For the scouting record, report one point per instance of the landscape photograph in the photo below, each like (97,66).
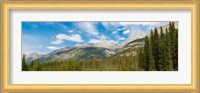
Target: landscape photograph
(99,46)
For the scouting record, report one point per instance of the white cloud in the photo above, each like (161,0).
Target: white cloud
(124,28)
(114,32)
(74,38)
(122,38)
(114,42)
(126,31)
(61,37)
(93,41)
(118,29)
(53,47)
(58,41)
(89,27)
(62,26)
(102,37)
(110,25)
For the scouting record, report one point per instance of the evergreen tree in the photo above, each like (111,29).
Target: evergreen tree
(148,54)
(151,64)
(174,44)
(155,43)
(146,60)
(176,50)
(152,38)
(141,57)
(164,60)
(24,66)
(169,63)
(161,52)
(38,65)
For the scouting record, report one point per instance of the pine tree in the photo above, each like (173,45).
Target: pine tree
(24,66)
(148,54)
(155,43)
(38,66)
(164,60)
(161,52)
(141,59)
(174,44)
(175,48)
(152,38)
(169,63)
(146,60)
(151,64)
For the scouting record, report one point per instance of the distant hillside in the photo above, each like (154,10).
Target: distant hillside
(77,53)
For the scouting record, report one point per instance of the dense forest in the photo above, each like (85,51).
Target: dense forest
(158,52)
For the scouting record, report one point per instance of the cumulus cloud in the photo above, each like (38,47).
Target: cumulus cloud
(58,41)
(89,27)
(114,42)
(122,38)
(119,29)
(102,37)
(114,32)
(110,25)
(94,41)
(74,38)
(61,37)
(53,47)
(126,31)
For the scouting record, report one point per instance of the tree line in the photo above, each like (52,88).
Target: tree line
(158,52)
(117,63)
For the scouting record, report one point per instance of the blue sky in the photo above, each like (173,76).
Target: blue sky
(44,37)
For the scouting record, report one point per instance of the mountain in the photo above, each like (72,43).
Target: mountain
(130,48)
(106,44)
(81,45)
(133,36)
(32,56)
(77,53)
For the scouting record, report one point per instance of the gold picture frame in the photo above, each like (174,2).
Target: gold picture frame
(5,44)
